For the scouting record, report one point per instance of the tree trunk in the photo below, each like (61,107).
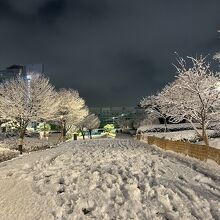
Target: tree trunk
(44,131)
(21,139)
(83,134)
(204,135)
(194,127)
(90,133)
(205,139)
(165,124)
(63,131)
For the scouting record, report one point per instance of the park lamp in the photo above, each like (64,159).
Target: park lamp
(28,77)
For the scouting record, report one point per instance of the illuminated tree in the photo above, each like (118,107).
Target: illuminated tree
(123,122)
(194,96)
(71,111)
(26,100)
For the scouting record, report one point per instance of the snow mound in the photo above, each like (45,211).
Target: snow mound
(30,144)
(108,179)
(213,142)
(6,154)
(170,127)
(189,135)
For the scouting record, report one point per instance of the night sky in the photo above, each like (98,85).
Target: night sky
(113,51)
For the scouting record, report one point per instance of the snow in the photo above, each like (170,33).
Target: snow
(30,144)
(189,135)
(108,179)
(6,154)
(94,136)
(213,142)
(171,127)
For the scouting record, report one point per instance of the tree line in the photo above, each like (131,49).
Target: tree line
(36,100)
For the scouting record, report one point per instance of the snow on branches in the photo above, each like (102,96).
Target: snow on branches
(154,109)
(89,123)
(72,110)
(25,100)
(194,95)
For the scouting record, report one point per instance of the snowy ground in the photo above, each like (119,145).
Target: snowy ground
(213,142)
(171,127)
(108,179)
(7,154)
(30,144)
(189,135)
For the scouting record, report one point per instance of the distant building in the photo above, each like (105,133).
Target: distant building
(11,72)
(110,114)
(20,70)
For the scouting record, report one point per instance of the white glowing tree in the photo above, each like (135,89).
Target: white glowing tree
(154,109)
(26,100)
(194,96)
(72,110)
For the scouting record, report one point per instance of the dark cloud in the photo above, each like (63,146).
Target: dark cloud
(51,10)
(114,52)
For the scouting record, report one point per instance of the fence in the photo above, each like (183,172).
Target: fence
(200,152)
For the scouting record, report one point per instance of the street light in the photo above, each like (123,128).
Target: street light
(113,120)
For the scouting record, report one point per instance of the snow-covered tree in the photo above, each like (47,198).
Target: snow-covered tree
(123,122)
(23,101)
(89,123)
(194,95)
(154,109)
(72,110)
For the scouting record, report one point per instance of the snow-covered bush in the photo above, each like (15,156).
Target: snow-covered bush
(43,129)
(187,135)
(7,154)
(170,127)
(11,126)
(30,144)
(109,127)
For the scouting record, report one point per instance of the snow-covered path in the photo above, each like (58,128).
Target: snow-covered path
(108,179)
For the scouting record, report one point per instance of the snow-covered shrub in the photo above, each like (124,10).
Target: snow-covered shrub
(189,135)
(30,144)
(109,127)
(170,127)
(43,129)
(7,154)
